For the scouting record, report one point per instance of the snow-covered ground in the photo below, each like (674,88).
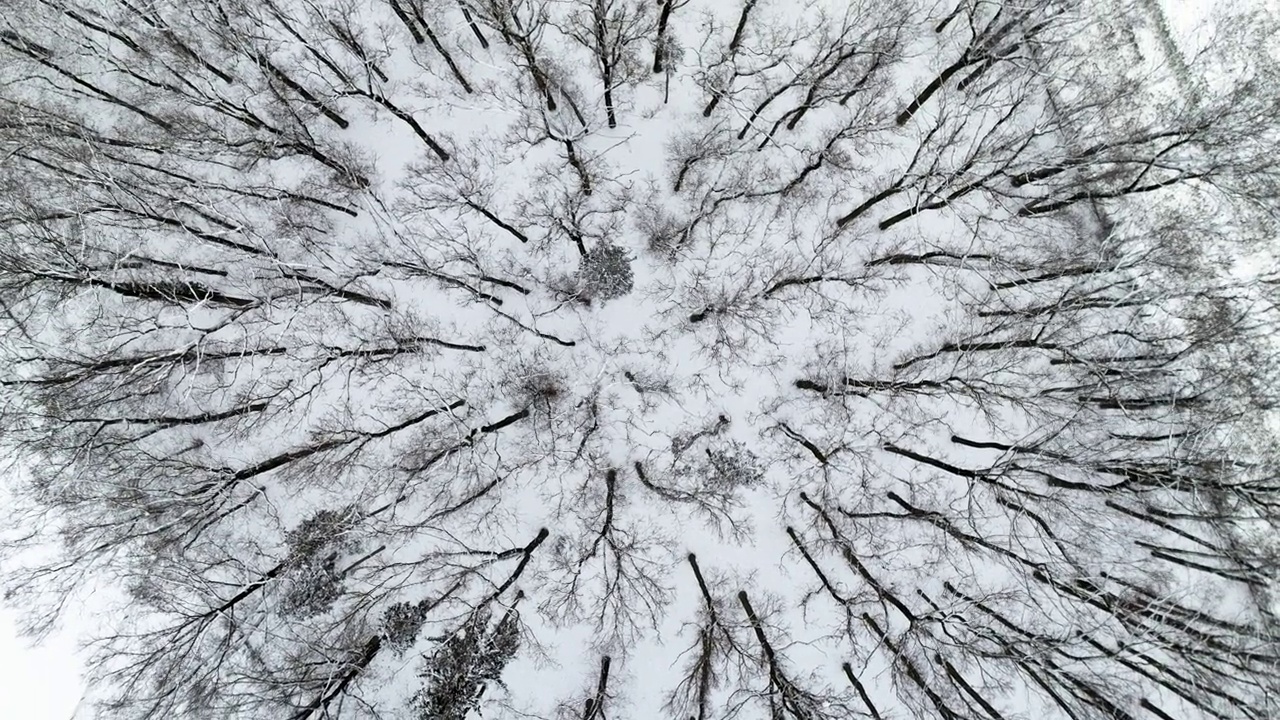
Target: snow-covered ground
(42,684)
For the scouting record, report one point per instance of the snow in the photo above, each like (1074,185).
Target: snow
(512,449)
(37,683)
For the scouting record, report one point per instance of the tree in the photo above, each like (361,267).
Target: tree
(605,273)
(472,656)
(454,359)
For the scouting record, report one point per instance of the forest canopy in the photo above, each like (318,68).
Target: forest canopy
(607,359)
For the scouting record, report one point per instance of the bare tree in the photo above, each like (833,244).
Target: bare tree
(606,358)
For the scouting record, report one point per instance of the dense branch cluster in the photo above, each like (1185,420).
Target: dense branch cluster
(605,273)
(627,359)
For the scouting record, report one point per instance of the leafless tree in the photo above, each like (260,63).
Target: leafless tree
(606,358)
